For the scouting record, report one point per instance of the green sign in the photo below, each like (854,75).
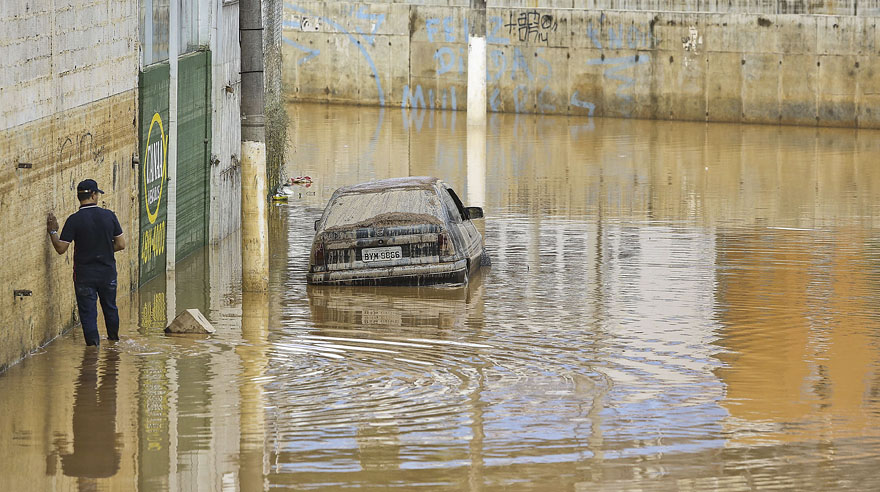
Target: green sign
(153,189)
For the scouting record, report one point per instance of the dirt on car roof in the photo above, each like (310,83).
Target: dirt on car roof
(385,205)
(418,182)
(389,220)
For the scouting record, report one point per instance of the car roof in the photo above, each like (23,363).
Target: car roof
(416,182)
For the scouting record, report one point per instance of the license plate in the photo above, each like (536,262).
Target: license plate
(369,255)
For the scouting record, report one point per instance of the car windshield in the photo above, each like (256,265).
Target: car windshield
(357,208)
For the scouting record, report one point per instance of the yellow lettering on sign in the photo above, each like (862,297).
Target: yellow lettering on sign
(153,242)
(153,312)
(154,169)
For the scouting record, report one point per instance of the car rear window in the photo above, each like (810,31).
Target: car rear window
(360,207)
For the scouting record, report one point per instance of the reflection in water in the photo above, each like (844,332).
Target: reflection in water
(817,288)
(476,165)
(95,448)
(413,311)
(670,306)
(400,374)
(252,351)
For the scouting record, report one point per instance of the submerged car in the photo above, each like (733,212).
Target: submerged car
(399,231)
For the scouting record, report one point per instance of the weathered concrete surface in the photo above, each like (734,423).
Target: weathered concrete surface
(829,7)
(68,78)
(225,172)
(97,141)
(254,218)
(715,64)
(58,56)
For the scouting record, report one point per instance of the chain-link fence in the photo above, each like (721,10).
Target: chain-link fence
(275,113)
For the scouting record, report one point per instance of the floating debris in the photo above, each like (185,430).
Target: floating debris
(301,180)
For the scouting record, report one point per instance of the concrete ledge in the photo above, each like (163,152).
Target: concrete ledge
(740,64)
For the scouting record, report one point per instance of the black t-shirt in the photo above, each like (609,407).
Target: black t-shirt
(92,230)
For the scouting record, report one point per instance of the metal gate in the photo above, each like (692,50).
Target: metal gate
(193,151)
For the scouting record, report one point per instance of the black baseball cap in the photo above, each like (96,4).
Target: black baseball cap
(88,186)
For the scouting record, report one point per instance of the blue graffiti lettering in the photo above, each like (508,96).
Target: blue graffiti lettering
(431,28)
(310,52)
(446,58)
(545,63)
(416,117)
(545,106)
(448,30)
(576,101)
(376,20)
(618,65)
(615,38)
(497,59)
(434,26)
(519,102)
(496,22)
(493,99)
(520,64)
(635,37)
(593,35)
(413,100)
(355,41)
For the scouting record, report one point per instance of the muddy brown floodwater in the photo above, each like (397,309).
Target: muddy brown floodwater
(671,306)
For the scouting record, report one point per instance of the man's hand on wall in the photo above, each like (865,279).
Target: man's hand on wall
(51,223)
(52,228)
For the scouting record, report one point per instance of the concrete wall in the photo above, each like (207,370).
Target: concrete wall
(225,174)
(68,100)
(709,65)
(830,7)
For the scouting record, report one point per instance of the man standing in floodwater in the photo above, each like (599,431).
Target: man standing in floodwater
(98,235)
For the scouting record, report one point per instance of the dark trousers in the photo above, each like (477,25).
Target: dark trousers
(87,293)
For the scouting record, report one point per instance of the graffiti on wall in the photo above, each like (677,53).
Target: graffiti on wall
(80,148)
(691,45)
(606,35)
(304,23)
(359,17)
(692,41)
(531,26)
(619,72)
(375,21)
(520,77)
(74,150)
(445,29)
(529,70)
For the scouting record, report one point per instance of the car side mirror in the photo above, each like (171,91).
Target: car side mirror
(473,213)
(316,224)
